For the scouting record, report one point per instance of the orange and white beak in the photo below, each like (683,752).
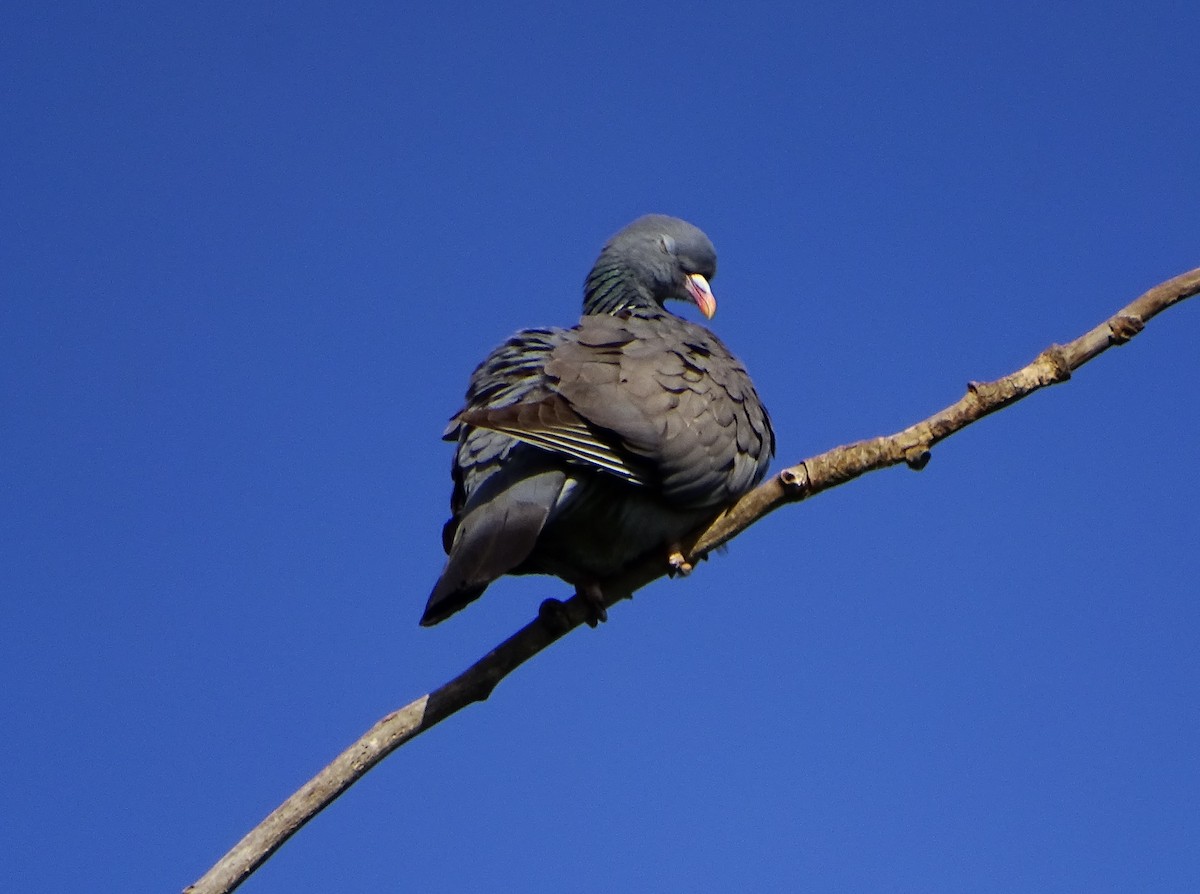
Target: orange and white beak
(698,288)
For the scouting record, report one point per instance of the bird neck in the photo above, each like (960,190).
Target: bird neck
(611,288)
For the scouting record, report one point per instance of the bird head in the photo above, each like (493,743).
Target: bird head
(654,259)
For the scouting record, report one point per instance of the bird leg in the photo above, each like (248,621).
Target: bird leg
(553,613)
(676,563)
(593,600)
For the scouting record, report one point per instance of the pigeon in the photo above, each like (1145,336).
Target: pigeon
(582,450)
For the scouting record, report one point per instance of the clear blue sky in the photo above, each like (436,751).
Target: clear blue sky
(252,252)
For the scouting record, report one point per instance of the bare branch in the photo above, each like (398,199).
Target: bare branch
(556,619)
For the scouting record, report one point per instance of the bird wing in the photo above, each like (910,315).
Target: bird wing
(671,399)
(512,393)
(651,399)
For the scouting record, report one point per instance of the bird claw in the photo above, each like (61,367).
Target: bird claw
(553,613)
(677,564)
(593,600)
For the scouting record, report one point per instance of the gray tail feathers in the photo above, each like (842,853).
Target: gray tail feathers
(494,535)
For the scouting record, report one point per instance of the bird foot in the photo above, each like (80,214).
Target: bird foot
(677,564)
(593,599)
(553,613)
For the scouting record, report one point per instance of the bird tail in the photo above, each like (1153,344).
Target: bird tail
(492,538)
(445,601)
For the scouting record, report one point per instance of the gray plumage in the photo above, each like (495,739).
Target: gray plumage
(580,450)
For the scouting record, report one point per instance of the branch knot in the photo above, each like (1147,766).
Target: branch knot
(1124,327)
(795,480)
(917,456)
(1056,357)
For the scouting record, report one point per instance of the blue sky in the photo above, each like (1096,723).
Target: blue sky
(251,254)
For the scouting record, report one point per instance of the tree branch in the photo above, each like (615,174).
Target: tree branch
(555,620)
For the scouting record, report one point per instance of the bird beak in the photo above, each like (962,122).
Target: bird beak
(697,287)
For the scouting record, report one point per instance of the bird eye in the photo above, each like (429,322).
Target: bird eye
(667,243)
